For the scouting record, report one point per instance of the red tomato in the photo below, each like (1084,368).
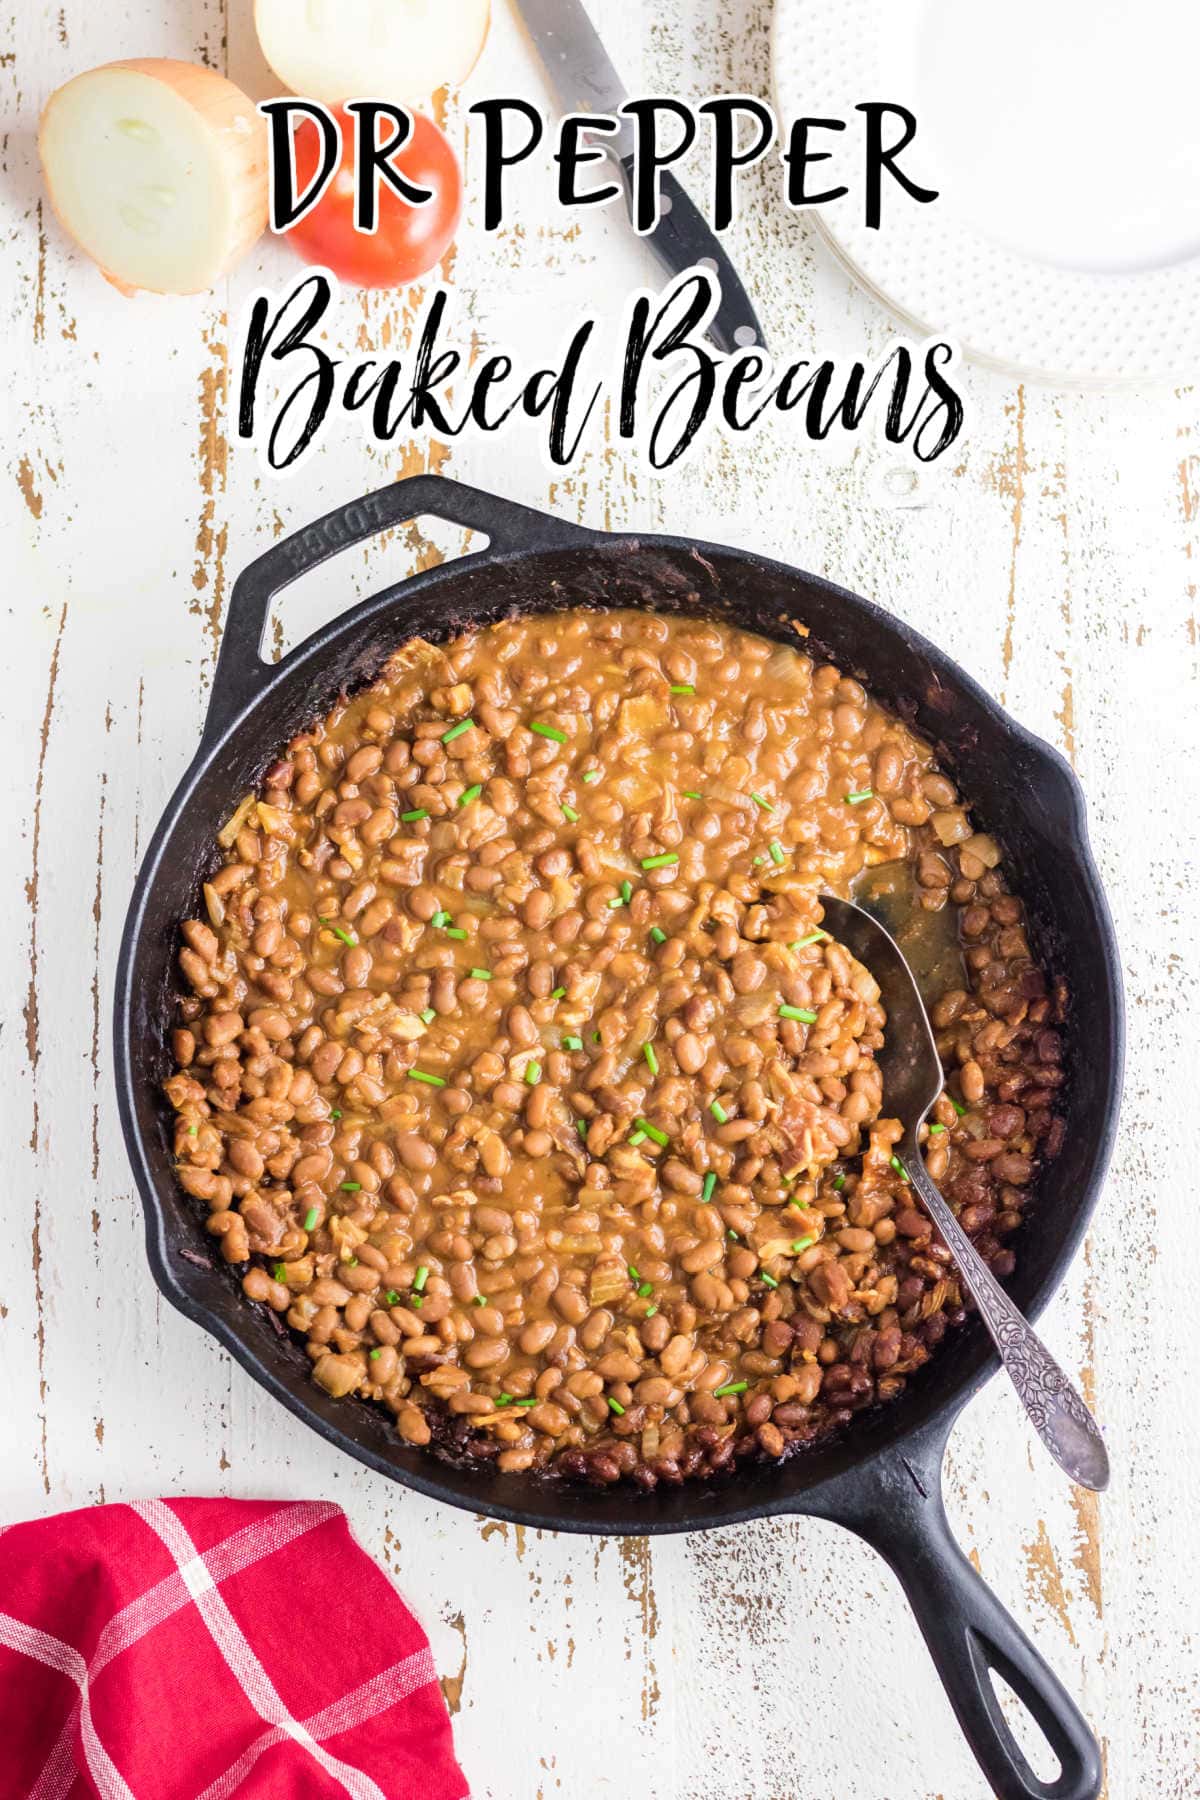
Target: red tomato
(410,239)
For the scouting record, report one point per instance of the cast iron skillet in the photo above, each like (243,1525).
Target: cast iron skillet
(883,1481)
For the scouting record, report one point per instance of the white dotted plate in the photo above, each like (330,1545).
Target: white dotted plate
(1063,138)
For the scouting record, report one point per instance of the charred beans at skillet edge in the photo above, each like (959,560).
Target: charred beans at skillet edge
(519,1077)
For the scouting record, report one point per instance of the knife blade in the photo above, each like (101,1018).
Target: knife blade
(584,80)
(573,56)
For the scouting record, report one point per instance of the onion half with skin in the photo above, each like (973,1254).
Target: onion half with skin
(400,50)
(158,170)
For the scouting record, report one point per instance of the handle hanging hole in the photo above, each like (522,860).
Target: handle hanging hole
(358,571)
(1029,1736)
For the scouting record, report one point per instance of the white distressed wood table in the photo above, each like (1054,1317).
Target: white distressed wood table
(1056,559)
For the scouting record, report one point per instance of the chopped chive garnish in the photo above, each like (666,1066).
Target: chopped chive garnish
(441,917)
(481,974)
(531,1401)
(310,1219)
(839,1182)
(351,1187)
(336,1113)
(595,1037)
(960,1110)
(632,1272)
(650,1311)
(758,862)
(615,1405)
(858,798)
(569,814)
(691,794)
(572,1043)
(798,1012)
(636,1138)
(718,1112)
(899,1167)
(776,849)
(347,937)
(549,731)
(373,1355)
(626,892)
(769,1279)
(504,1399)
(590,775)
(814,937)
(660,862)
(616,902)
(934,1129)
(279,1272)
(760,800)
(645,1290)
(422,812)
(456,731)
(651,1058)
(581,1126)
(469,794)
(416,1300)
(804,1243)
(710,1182)
(392,1297)
(427,1015)
(682,687)
(558,994)
(533,1073)
(652,1131)
(193,1131)
(429,1080)
(658,934)
(731,1233)
(420,1278)
(456,931)
(479,1300)
(731,1387)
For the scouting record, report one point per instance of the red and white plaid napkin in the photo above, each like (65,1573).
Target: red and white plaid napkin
(212,1650)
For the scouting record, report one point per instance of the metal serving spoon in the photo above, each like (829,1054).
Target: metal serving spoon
(912,1081)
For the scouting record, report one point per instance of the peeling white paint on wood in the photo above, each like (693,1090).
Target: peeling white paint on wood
(1056,560)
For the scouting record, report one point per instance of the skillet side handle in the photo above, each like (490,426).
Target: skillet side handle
(969,1633)
(508,527)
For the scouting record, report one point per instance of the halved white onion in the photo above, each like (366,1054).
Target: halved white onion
(158,170)
(400,50)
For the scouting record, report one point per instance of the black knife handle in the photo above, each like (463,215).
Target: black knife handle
(680,240)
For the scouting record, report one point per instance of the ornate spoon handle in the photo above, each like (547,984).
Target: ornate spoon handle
(1055,1409)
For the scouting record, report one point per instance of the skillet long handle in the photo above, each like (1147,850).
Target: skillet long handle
(970,1634)
(897,1507)
(240,670)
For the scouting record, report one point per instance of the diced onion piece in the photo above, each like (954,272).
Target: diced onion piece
(158,170)
(952,826)
(232,825)
(277,822)
(336,50)
(214,905)
(985,848)
(608,1283)
(582,1243)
